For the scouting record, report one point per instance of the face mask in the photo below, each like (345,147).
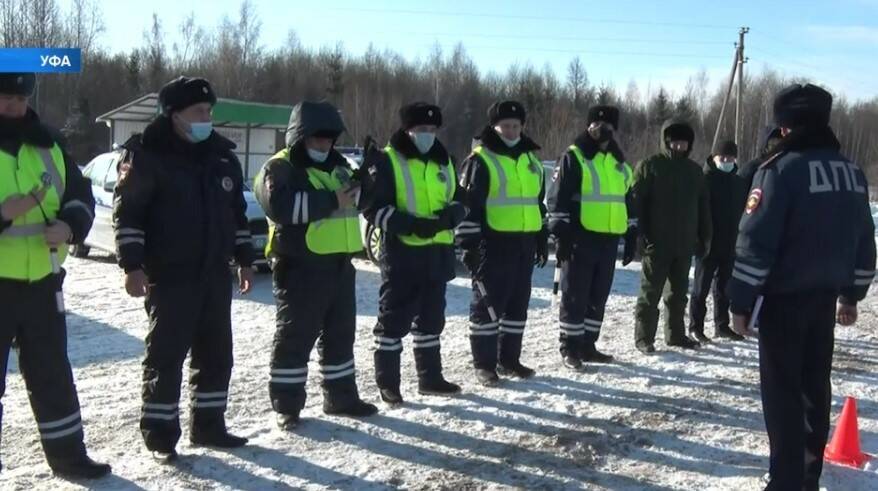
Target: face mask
(510,143)
(318,156)
(605,135)
(196,132)
(726,166)
(424,140)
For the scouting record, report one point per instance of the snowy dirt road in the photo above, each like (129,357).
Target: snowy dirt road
(673,421)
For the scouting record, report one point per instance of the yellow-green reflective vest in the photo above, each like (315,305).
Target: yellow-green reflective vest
(24,254)
(423,189)
(339,233)
(605,182)
(513,203)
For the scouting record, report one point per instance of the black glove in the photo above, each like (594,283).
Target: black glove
(630,246)
(471,259)
(426,228)
(451,215)
(542,250)
(563,249)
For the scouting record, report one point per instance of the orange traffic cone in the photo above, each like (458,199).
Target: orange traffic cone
(844,448)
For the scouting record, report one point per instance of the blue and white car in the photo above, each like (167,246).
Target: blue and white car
(103,171)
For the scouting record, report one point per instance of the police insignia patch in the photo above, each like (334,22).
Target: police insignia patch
(753,201)
(228,185)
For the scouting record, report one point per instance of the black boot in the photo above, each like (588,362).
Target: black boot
(515,370)
(391,396)
(727,333)
(437,387)
(81,467)
(164,457)
(355,409)
(288,422)
(216,437)
(646,348)
(700,337)
(572,362)
(591,354)
(486,377)
(684,342)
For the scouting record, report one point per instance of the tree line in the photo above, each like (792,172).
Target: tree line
(370,87)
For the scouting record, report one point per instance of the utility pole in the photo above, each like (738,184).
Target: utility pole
(722,111)
(740,97)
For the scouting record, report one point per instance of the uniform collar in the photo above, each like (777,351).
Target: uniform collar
(589,147)
(401,142)
(491,140)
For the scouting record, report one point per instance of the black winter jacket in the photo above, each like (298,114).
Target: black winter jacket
(179,209)
(807,225)
(728,194)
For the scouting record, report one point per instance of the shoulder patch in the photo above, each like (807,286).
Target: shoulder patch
(753,201)
(556,174)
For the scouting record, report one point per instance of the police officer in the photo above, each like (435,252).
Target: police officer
(416,205)
(588,214)
(308,194)
(727,191)
(179,218)
(673,211)
(45,204)
(503,237)
(806,243)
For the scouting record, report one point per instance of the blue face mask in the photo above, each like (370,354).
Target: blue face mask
(318,156)
(197,132)
(423,140)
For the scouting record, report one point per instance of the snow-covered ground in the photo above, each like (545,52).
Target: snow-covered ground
(674,421)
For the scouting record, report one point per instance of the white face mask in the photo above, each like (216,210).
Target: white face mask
(318,156)
(423,140)
(726,166)
(510,143)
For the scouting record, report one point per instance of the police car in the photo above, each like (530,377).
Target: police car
(103,171)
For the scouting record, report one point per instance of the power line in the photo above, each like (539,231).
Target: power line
(581,51)
(589,20)
(555,38)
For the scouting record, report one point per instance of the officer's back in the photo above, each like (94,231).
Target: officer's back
(826,222)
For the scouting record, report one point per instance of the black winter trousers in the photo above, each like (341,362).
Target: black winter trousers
(796,341)
(710,273)
(586,280)
(186,316)
(505,274)
(29,315)
(314,306)
(409,304)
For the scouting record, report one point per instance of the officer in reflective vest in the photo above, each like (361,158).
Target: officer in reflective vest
(588,213)
(503,237)
(45,204)
(415,205)
(311,201)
